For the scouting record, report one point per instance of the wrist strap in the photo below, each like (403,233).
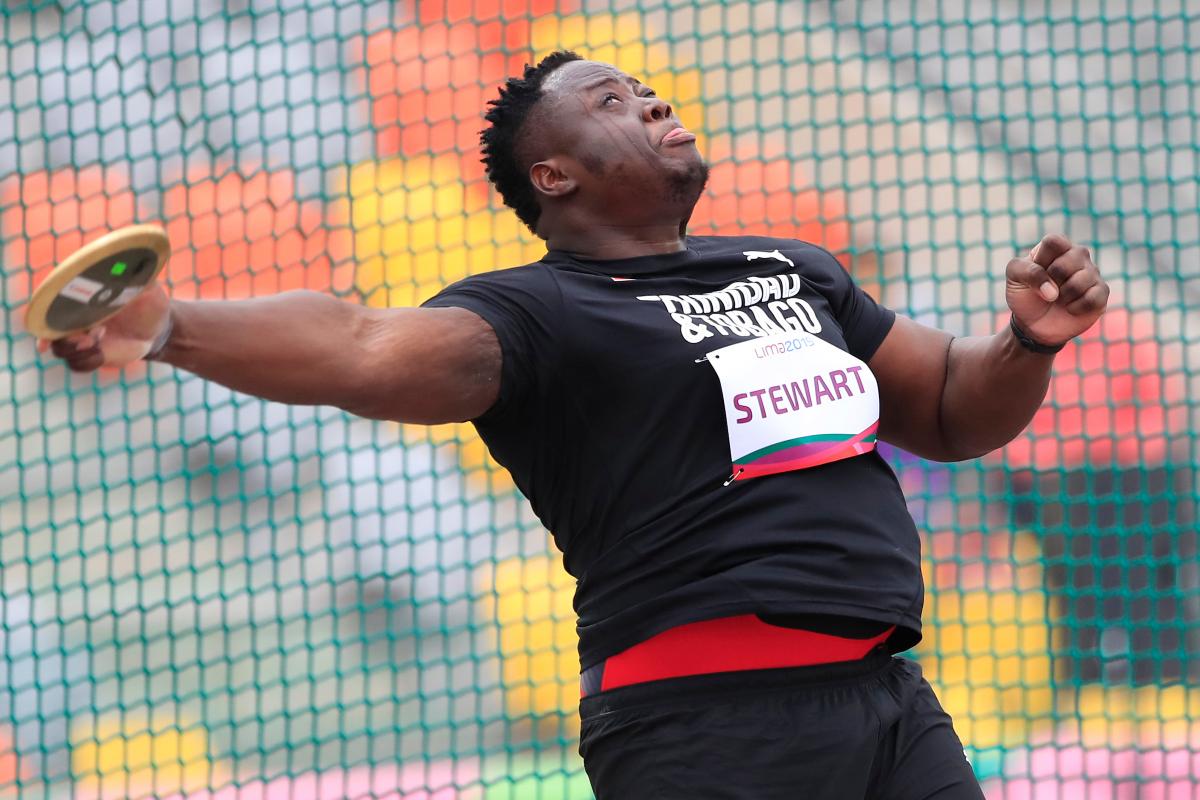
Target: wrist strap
(1030,344)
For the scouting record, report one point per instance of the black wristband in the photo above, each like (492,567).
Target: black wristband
(1030,344)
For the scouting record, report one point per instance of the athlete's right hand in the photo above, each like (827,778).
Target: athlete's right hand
(122,339)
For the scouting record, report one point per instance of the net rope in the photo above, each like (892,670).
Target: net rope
(205,595)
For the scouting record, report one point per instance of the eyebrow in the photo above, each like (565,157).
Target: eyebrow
(634,82)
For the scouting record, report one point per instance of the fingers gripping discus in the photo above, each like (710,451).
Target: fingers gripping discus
(97,281)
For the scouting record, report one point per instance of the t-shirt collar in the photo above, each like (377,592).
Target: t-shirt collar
(624,267)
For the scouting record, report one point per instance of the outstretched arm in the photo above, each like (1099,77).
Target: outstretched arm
(949,399)
(422,365)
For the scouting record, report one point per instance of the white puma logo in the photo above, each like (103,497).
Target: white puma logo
(754,255)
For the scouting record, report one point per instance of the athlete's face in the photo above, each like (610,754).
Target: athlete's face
(617,139)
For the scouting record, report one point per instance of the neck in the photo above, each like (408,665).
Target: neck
(604,242)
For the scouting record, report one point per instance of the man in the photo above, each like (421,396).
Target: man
(694,419)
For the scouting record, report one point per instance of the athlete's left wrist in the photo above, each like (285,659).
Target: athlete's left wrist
(1029,343)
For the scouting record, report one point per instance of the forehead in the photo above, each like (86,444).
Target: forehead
(576,76)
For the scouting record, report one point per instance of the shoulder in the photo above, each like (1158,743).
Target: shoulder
(534,281)
(528,275)
(726,245)
(812,261)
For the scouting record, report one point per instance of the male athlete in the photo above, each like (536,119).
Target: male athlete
(694,419)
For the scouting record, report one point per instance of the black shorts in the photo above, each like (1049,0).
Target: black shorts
(868,729)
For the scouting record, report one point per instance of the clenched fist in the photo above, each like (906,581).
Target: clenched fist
(1056,293)
(128,336)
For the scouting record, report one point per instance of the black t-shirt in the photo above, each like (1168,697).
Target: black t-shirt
(615,431)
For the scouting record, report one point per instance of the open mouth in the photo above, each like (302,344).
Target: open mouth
(678,136)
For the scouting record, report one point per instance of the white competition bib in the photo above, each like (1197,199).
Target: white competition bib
(793,401)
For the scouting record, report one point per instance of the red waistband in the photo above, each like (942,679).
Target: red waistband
(728,644)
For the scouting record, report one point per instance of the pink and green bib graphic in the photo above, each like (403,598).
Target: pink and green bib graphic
(804,452)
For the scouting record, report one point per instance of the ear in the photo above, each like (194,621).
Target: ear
(548,178)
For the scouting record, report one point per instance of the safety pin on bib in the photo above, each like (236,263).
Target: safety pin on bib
(734,476)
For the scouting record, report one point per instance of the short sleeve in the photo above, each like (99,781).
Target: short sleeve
(865,323)
(519,304)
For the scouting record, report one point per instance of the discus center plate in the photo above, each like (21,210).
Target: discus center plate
(102,288)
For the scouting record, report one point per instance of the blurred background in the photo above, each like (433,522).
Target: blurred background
(203,595)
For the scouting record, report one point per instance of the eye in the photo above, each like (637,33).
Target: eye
(609,98)
(650,93)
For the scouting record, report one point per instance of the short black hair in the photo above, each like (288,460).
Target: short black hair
(498,142)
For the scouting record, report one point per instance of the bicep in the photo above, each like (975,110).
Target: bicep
(911,367)
(426,365)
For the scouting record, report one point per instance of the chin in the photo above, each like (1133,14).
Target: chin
(686,180)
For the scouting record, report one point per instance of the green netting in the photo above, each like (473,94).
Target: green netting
(201,592)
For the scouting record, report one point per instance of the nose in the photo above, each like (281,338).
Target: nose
(656,109)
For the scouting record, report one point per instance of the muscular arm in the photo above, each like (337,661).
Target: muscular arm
(951,399)
(421,365)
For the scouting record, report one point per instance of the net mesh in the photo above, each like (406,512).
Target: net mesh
(204,595)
